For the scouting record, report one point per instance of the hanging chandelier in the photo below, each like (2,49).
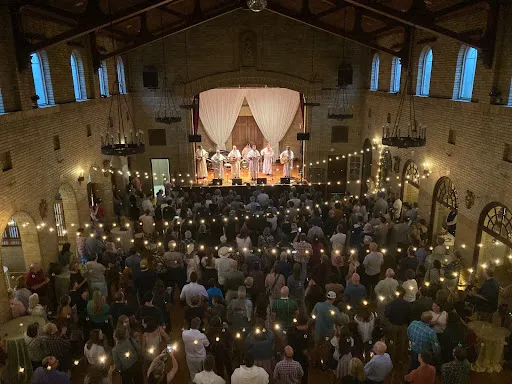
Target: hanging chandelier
(313,95)
(188,99)
(167,112)
(340,108)
(416,133)
(257,5)
(120,138)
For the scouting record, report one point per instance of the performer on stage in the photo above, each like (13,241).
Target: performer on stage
(218,165)
(286,158)
(254,162)
(268,158)
(246,150)
(234,158)
(201,156)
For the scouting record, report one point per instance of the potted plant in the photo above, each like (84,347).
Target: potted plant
(34,99)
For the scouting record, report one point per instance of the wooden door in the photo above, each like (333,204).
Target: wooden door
(247,131)
(337,173)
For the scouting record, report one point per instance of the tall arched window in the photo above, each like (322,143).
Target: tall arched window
(510,94)
(467,73)
(103,78)
(424,72)
(39,78)
(374,84)
(396,72)
(77,71)
(120,75)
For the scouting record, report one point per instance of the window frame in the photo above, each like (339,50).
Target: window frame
(103,79)
(121,76)
(374,79)
(463,74)
(395,80)
(422,72)
(42,101)
(78,76)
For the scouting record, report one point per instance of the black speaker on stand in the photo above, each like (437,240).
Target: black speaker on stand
(285,180)
(236,181)
(194,138)
(261,180)
(217,182)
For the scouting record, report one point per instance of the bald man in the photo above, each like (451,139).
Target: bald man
(284,309)
(380,366)
(288,371)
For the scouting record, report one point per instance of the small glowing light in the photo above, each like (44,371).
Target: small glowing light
(76,362)
(349,307)
(196,342)
(497,261)
(480,245)
(217,339)
(146,242)
(441,279)
(470,270)
(238,335)
(463,245)
(127,355)
(381,298)
(365,302)
(352,251)
(277,327)
(484,265)
(258,331)
(427,284)
(313,316)
(104,358)
(21,370)
(399,249)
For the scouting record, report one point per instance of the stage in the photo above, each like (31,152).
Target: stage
(246,178)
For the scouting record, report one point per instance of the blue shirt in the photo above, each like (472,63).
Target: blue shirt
(378,367)
(355,294)
(212,292)
(324,325)
(422,338)
(43,376)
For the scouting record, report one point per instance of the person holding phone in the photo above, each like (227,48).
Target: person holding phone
(156,372)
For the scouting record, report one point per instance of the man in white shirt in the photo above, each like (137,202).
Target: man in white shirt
(234,158)
(254,162)
(249,373)
(207,376)
(372,263)
(218,165)
(195,343)
(148,223)
(339,239)
(286,158)
(193,289)
(397,208)
(223,264)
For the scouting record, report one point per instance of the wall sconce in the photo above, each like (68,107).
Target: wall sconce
(426,170)
(81,176)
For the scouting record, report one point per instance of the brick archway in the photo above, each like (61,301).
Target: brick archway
(444,198)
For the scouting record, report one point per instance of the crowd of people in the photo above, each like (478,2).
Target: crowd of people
(274,282)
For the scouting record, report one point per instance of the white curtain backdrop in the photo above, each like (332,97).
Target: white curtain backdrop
(218,111)
(274,110)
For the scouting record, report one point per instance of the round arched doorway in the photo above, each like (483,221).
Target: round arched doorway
(444,203)
(20,243)
(65,210)
(410,183)
(494,240)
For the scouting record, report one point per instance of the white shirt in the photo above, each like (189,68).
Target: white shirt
(147,223)
(223,267)
(93,355)
(192,289)
(338,239)
(365,328)
(195,343)
(205,377)
(235,153)
(411,289)
(372,263)
(253,375)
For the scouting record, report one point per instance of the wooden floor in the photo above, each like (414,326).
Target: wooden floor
(315,376)
(246,178)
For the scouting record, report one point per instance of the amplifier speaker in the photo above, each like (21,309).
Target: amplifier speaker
(217,181)
(261,180)
(303,136)
(236,181)
(285,180)
(194,138)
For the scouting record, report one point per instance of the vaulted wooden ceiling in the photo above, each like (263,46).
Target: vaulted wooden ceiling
(134,23)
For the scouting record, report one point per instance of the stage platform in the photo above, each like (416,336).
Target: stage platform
(274,179)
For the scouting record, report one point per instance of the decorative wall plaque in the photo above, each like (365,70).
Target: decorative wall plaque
(470,199)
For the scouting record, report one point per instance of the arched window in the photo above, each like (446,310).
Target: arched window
(120,75)
(396,72)
(39,78)
(510,94)
(466,75)
(374,84)
(424,72)
(77,71)
(103,77)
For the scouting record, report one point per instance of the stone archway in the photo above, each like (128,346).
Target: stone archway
(66,215)
(494,236)
(20,242)
(444,199)
(410,182)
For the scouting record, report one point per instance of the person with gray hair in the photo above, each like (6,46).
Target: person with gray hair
(234,279)
(240,310)
(380,366)
(385,291)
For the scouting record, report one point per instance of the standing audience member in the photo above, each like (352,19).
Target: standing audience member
(425,373)
(422,338)
(380,366)
(372,264)
(195,343)
(207,376)
(457,370)
(355,292)
(288,371)
(193,289)
(249,373)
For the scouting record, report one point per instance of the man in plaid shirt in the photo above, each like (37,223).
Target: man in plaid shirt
(457,370)
(284,310)
(422,338)
(288,371)
(303,249)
